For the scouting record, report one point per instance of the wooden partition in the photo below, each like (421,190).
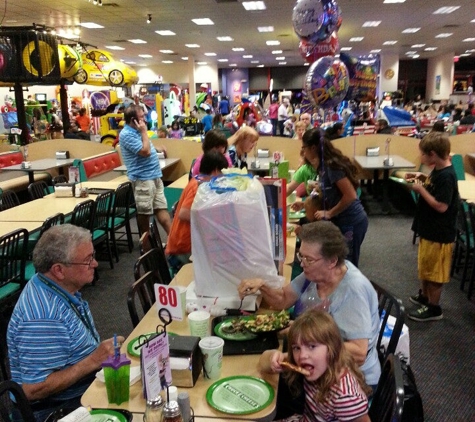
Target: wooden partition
(77,148)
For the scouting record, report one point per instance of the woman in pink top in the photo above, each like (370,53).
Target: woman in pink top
(215,139)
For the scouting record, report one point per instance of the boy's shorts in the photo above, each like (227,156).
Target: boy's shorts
(434,260)
(149,196)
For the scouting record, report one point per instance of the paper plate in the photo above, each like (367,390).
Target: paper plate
(240,395)
(105,415)
(296,215)
(133,349)
(220,331)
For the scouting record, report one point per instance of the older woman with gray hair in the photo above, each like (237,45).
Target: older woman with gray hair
(330,281)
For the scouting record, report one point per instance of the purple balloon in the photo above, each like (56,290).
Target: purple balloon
(330,21)
(307,17)
(327,82)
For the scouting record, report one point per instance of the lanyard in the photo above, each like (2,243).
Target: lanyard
(84,318)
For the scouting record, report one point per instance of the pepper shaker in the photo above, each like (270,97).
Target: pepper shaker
(171,412)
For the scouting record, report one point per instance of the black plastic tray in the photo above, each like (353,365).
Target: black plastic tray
(247,347)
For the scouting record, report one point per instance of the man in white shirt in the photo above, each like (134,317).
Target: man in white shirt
(283,115)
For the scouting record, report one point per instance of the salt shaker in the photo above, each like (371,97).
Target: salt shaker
(154,409)
(171,412)
(184,403)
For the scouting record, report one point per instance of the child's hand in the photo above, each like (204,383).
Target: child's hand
(322,215)
(418,186)
(275,360)
(297,206)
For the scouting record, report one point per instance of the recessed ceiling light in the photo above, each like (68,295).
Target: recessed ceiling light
(446,10)
(470,51)
(226,38)
(444,35)
(345,48)
(254,61)
(276,51)
(306,64)
(90,25)
(267,28)
(356,39)
(184,58)
(166,51)
(410,30)
(370,24)
(377,50)
(473,21)
(114,47)
(192,45)
(416,56)
(137,41)
(468,40)
(167,61)
(165,33)
(130,62)
(201,63)
(465,54)
(247,56)
(394,1)
(389,42)
(203,21)
(210,54)
(282,63)
(430,48)
(238,49)
(411,53)
(145,56)
(273,42)
(280,58)
(223,60)
(260,65)
(254,5)
(417,45)
(232,65)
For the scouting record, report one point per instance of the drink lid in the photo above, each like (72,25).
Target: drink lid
(116,363)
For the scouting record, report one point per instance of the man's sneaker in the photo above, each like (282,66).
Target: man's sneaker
(427,313)
(419,299)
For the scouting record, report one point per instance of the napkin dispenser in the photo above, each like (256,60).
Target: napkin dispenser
(161,155)
(262,153)
(62,155)
(372,152)
(185,349)
(64,190)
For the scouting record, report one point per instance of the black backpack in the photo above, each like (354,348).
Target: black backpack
(413,410)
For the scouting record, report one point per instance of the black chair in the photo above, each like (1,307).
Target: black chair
(143,289)
(83,214)
(149,262)
(156,242)
(54,220)
(38,190)
(389,305)
(59,179)
(464,244)
(9,199)
(101,231)
(120,218)
(471,282)
(22,403)
(388,401)
(13,254)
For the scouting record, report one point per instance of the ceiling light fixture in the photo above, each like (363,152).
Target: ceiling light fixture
(149,18)
(100,2)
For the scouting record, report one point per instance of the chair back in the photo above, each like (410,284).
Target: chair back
(389,305)
(103,210)
(59,179)
(388,401)
(21,401)
(9,199)
(143,289)
(457,162)
(156,242)
(38,190)
(13,253)
(83,214)
(54,220)
(149,262)
(122,201)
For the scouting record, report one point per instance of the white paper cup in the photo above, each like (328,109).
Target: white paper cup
(199,322)
(212,349)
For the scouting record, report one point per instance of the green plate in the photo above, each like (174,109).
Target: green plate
(296,215)
(105,415)
(240,395)
(220,331)
(133,348)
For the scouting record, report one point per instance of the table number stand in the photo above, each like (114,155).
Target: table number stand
(388,161)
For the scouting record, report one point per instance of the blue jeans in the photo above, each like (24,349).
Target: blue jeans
(354,235)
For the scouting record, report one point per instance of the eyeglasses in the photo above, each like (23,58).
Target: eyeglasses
(306,260)
(88,263)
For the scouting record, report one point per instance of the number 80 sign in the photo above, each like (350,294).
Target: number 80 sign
(171,298)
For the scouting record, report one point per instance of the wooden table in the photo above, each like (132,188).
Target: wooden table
(9,226)
(164,163)
(377,163)
(467,190)
(41,165)
(96,395)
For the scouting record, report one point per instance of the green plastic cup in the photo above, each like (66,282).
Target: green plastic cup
(117,377)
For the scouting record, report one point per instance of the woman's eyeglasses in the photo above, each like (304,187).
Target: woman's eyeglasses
(306,260)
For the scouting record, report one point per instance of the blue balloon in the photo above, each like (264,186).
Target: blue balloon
(307,17)
(331,21)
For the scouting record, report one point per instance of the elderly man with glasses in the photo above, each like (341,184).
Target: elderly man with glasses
(53,345)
